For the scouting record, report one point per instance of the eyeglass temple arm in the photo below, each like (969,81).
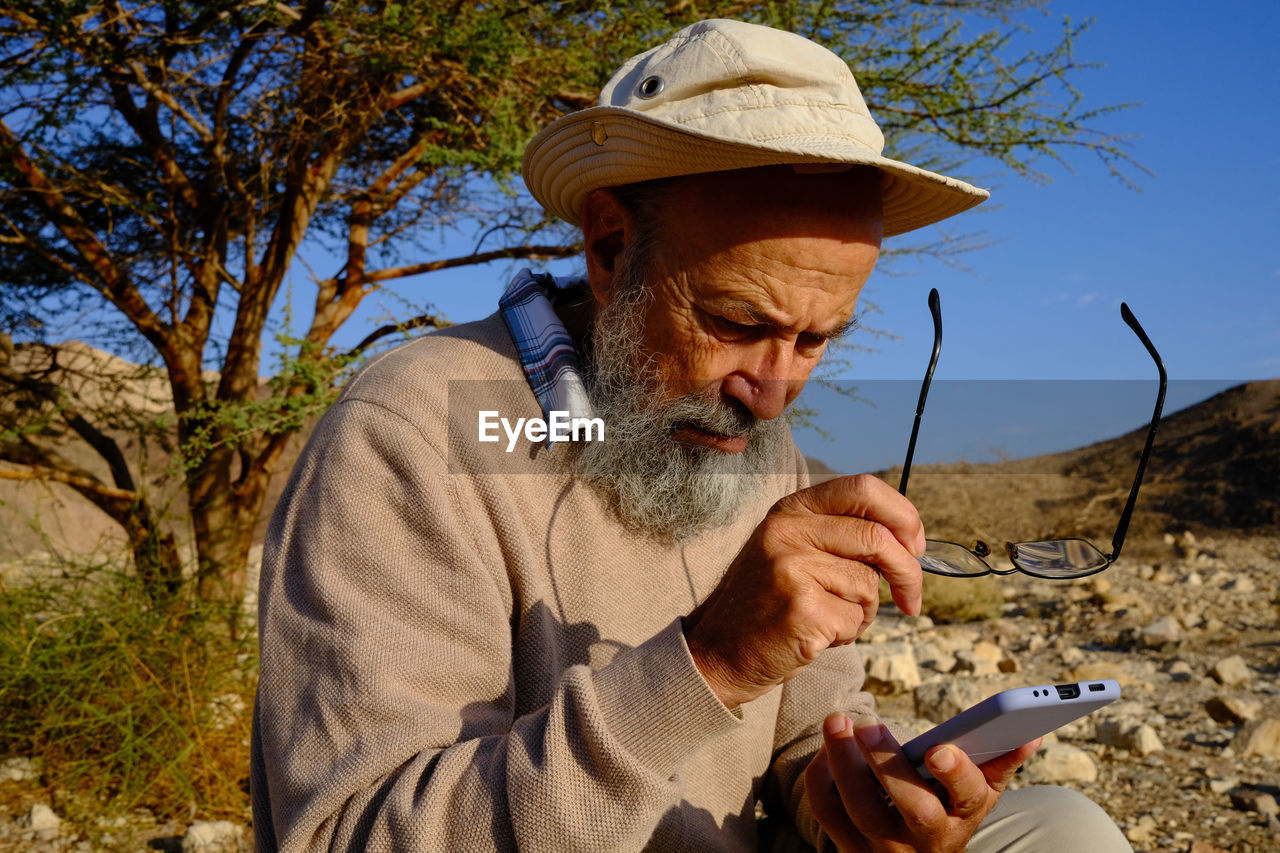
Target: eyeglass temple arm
(1123,526)
(935,308)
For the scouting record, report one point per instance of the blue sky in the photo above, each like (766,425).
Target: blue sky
(1195,253)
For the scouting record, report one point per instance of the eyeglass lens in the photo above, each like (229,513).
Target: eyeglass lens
(948,558)
(1048,558)
(1057,558)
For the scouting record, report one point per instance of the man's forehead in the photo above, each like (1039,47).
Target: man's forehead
(797,264)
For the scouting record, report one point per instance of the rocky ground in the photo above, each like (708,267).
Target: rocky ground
(1188,760)
(29,825)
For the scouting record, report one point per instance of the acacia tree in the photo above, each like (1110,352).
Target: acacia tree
(162,163)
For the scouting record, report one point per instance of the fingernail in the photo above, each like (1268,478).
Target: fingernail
(835,724)
(868,731)
(943,760)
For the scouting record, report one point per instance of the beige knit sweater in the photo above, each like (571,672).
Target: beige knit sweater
(462,650)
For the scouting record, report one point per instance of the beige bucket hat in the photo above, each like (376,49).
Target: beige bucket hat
(723,95)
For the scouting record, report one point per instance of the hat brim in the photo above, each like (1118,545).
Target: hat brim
(564,163)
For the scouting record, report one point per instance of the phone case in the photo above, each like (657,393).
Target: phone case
(1007,720)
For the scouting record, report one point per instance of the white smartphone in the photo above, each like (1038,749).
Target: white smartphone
(1005,721)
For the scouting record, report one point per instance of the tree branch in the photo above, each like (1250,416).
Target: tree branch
(197,126)
(266,460)
(541,253)
(81,483)
(111,280)
(409,93)
(337,298)
(149,132)
(422,321)
(105,446)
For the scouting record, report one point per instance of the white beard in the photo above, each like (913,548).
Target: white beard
(655,484)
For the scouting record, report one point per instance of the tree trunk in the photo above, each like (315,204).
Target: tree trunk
(223,515)
(155,553)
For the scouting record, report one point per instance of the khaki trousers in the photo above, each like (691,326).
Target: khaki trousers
(1045,818)
(1040,819)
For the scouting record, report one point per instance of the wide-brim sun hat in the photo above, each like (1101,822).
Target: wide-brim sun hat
(722,95)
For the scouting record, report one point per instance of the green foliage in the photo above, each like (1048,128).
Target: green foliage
(183,133)
(125,705)
(952,82)
(307,380)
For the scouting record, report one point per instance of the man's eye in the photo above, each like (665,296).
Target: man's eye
(810,344)
(726,328)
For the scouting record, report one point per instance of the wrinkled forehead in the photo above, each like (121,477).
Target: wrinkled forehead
(797,247)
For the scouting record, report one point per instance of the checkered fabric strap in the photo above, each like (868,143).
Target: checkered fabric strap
(547,354)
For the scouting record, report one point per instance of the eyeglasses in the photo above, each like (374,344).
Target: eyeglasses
(1053,559)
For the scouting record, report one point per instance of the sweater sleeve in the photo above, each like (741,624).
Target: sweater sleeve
(385,717)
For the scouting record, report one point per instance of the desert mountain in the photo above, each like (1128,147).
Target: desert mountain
(1215,468)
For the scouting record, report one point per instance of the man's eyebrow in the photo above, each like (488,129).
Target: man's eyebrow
(760,318)
(840,331)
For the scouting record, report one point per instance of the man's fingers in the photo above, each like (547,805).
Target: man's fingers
(968,793)
(863,797)
(872,544)
(998,771)
(864,498)
(919,807)
(884,796)
(869,497)
(806,580)
(827,807)
(853,584)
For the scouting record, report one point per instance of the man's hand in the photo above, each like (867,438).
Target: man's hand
(868,797)
(807,579)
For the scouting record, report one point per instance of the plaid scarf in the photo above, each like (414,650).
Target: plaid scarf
(547,354)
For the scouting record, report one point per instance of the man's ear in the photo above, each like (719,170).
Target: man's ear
(607,228)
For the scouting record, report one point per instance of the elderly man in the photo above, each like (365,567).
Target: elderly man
(477,635)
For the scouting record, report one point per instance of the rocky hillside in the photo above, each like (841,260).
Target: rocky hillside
(1214,469)
(1188,620)
(1189,759)
(125,401)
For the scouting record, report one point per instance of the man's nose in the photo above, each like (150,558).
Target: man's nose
(769,380)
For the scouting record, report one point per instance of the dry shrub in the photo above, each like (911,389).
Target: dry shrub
(957,599)
(124,704)
(962,599)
